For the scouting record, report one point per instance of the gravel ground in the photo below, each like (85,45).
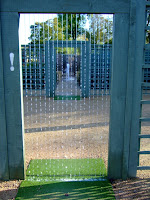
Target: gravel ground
(75,129)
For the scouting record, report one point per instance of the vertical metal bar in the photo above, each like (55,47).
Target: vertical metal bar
(94,52)
(47,70)
(110,68)
(105,69)
(87,68)
(51,68)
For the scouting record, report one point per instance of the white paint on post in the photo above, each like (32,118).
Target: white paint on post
(11,55)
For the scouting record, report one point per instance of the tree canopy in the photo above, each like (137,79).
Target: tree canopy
(90,27)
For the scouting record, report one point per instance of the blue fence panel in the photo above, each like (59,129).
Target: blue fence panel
(33,67)
(101,62)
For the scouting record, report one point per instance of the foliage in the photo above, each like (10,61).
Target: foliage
(72,25)
(90,27)
(147,37)
(44,31)
(100,29)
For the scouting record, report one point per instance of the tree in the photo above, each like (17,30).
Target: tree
(44,31)
(72,24)
(91,27)
(100,29)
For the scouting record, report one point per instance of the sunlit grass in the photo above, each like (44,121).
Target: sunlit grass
(76,179)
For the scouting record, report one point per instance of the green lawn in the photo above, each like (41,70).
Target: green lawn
(74,179)
(53,169)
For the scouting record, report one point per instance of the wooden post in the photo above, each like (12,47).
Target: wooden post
(123,145)
(4,173)
(125,88)
(137,79)
(118,95)
(13,95)
(129,91)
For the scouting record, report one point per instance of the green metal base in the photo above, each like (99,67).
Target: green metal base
(67,97)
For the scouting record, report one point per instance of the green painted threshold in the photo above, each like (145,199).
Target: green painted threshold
(59,97)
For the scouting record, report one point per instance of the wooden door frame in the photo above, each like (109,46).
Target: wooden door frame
(124,112)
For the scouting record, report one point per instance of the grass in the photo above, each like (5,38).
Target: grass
(74,179)
(65,190)
(49,169)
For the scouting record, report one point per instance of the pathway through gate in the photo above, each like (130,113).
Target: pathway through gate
(71,88)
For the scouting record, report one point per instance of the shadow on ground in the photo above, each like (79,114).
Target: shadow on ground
(85,190)
(44,180)
(137,188)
